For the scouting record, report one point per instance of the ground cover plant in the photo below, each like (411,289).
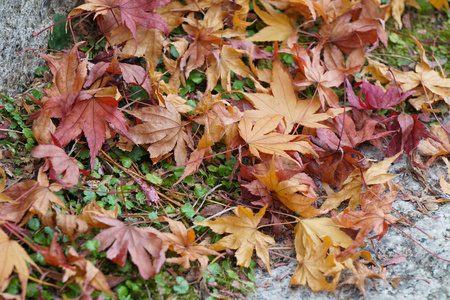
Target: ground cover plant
(177,145)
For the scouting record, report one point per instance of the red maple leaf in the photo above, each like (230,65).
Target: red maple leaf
(375,98)
(132,11)
(408,133)
(90,115)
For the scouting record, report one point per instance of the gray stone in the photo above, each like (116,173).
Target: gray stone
(423,276)
(19,19)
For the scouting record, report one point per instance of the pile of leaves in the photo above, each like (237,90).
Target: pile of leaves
(281,92)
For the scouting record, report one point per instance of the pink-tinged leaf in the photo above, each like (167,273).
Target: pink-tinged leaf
(59,164)
(137,11)
(149,191)
(141,243)
(375,98)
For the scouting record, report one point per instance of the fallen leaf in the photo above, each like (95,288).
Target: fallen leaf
(183,243)
(261,138)
(87,276)
(285,102)
(13,256)
(93,210)
(363,272)
(279,28)
(163,130)
(244,235)
(59,164)
(314,265)
(139,242)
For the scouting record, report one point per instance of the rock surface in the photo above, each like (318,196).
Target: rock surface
(423,276)
(18,20)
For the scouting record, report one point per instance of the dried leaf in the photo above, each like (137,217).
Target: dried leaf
(244,235)
(139,242)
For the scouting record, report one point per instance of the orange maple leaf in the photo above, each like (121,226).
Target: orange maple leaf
(182,242)
(244,235)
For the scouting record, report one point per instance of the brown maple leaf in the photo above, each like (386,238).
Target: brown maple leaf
(244,235)
(139,242)
(431,147)
(72,225)
(13,256)
(163,130)
(360,274)
(86,275)
(261,139)
(32,197)
(93,210)
(374,215)
(352,30)
(182,242)
(286,103)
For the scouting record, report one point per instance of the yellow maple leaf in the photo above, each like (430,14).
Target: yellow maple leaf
(285,102)
(13,256)
(244,235)
(279,27)
(261,138)
(314,265)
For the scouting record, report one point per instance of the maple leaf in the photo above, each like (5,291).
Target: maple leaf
(86,275)
(295,191)
(439,4)
(149,45)
(280,25)
(203,37)
(139,242)
(132,74)
(221,63)
(130,12)
(314,265)
(351,31)
(71,225)
(59,163)
(397,7)
(93,210)
(53,255)
(375,98)
(374,215)
(90,115)
(408,133)
(286,103)
(352,187)
(314,72)
(181,241)
(3,197)
(163,130)
(244,235)
(13,256)
(43,127)
(32,197)
(260,138)
(433,148)
(360,274)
